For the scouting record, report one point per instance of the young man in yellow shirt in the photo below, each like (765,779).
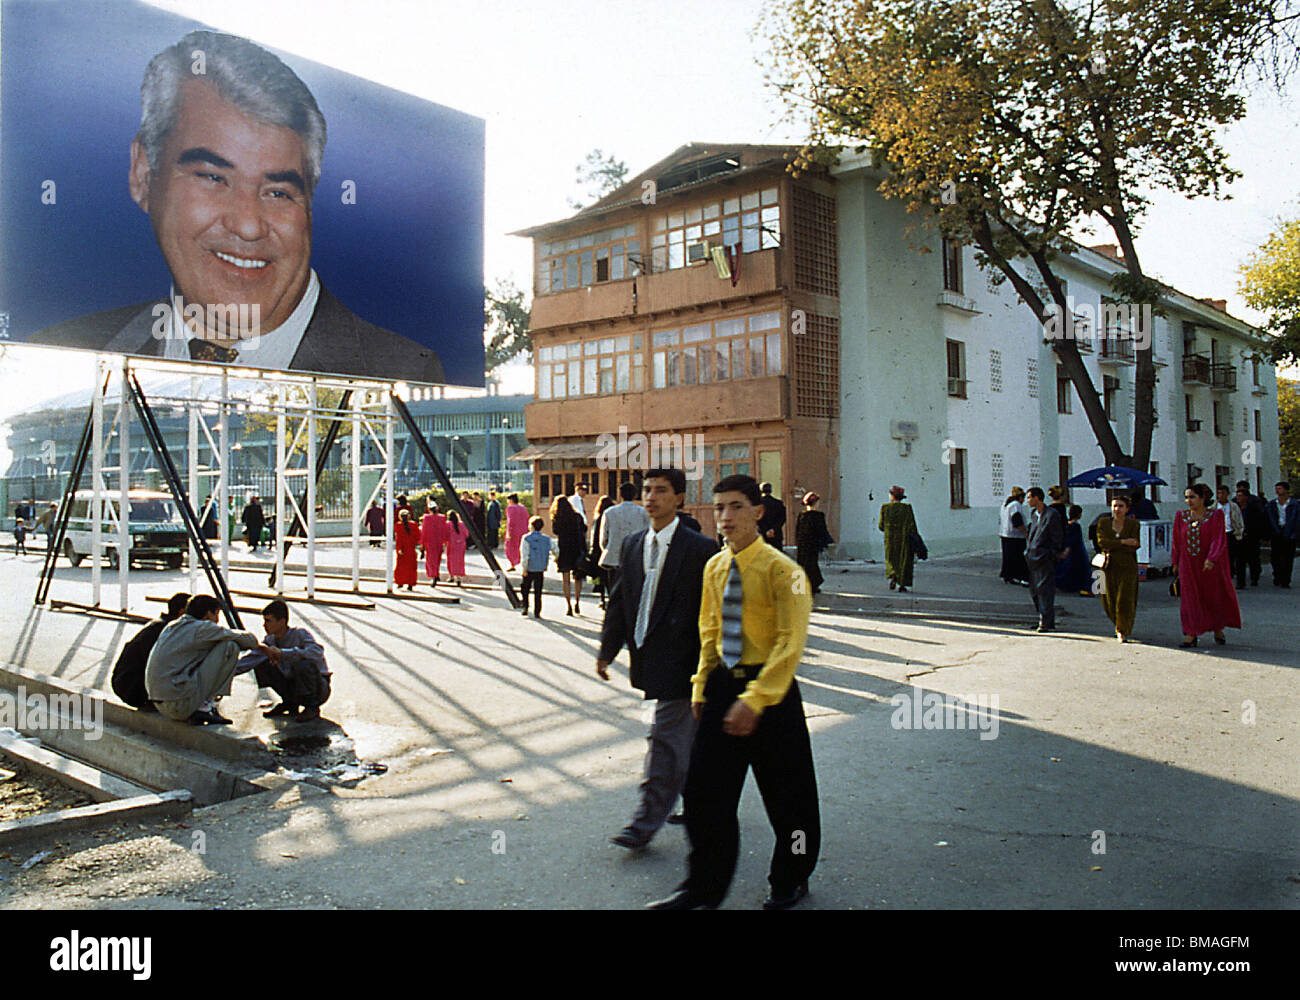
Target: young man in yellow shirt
(753,626)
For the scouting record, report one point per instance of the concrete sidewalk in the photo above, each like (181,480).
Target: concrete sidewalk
(510,763)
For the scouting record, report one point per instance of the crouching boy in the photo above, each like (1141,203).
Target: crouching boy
(293,666)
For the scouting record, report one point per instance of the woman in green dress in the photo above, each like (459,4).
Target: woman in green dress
(1118,536)
(898,524)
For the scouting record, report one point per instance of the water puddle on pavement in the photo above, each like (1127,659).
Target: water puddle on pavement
(324,755)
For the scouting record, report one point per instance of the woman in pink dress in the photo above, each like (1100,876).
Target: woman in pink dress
(516,528)
(433,535)
(1200,555)
(457,535)
(406,537)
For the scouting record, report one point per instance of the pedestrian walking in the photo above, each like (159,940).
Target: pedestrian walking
(625,518)
(253,521)
(1074,571)
(493,518)
(1234,523)
(1284,532)
(772,525)
(406,538)
(1043,549)
(1255,516)
(1012,529)
(596,552)
(899,525)
(811,538)
(1207,599)
(654,611)
(375,524)
(433,538)
(1119,537)
(754,615)
(457,541)
(20,537)
(538,548)
(571,533)
(516,528)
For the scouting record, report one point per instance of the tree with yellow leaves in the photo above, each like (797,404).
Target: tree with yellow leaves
(1009,124)
(1271,282)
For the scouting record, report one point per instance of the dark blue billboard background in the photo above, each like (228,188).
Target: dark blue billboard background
(407,256)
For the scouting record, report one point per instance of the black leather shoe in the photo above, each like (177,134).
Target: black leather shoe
(308,713)
(628,839)
(284,708)
(207,719)
(682,899)
(785,900)
(677,819)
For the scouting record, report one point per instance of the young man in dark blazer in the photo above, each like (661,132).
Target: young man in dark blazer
(654,610)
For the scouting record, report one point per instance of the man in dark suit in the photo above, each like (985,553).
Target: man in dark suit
(254,521)
(1255,515)
(1043,549)
(1284,530)
(771,525)
(128,671)
(654,610)
(225,164)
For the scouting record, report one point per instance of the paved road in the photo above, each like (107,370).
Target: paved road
(1120,776)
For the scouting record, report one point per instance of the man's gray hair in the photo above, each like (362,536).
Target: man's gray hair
(243,73)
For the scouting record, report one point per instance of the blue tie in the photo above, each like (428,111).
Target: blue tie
(732,642)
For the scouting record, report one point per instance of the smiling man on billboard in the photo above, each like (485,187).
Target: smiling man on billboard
(225,164)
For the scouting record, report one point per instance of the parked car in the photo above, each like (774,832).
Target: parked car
(154,523)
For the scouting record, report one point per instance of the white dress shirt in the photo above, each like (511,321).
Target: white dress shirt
(575,502)
(273,349)
(665,535)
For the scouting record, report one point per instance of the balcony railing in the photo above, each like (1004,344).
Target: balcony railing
(1224,377)
(1118,350)
(1196,368)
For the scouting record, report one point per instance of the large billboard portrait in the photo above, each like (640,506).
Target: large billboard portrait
(176,192)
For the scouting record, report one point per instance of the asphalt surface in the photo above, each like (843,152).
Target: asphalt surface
(1120,776)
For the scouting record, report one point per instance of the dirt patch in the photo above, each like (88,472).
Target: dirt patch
(28,794)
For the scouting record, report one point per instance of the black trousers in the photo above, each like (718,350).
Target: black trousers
(533,582)
(1249,558)
(305,685)
(780,753)
(1235,562)
(1283,558)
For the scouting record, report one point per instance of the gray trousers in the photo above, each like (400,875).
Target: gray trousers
(666,763)
(1042,587)
(211,679)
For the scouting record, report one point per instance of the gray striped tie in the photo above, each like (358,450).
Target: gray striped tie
(732,642)
(647,594)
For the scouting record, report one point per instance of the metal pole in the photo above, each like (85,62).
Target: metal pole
(124,485)
(223,478)
(390,495)
(96,482)
(194,476)
(310,512)
(356,492)
(279,489)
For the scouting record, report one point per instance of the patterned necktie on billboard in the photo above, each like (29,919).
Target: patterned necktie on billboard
(732,642)
(647,593)
(205,350)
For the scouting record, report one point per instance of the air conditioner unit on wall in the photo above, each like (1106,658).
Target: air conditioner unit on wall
(697,253)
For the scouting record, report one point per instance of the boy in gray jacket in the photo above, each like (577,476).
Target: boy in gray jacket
(192,663)
(293,666)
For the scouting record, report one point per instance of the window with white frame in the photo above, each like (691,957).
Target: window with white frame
(574,262)
(750,221)
(720,351)
(591,368)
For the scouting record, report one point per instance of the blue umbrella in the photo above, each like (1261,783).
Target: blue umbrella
(1114,477)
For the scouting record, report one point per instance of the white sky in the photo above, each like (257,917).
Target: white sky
(555,80)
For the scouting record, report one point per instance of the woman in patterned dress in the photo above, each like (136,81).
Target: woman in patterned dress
(1200,554)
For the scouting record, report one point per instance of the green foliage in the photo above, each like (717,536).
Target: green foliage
(1271,282)
(505,324)
(598,175)
(1288,420)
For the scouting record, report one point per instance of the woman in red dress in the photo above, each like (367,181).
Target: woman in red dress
(1200,555)
(406,536)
